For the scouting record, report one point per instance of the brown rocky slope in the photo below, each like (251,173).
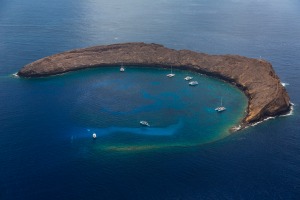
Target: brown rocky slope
(267,97)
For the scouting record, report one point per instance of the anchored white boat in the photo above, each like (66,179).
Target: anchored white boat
(188,78)
(122,68)
(144,123)
(193,83)
(220,108)
(94,135)
(171,75)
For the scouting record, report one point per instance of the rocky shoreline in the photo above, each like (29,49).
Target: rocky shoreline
(255,77)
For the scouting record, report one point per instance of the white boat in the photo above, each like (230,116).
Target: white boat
(122,68)
(94,135)
(171,75)
(193,83)
(188,78)
(220,108)
(144,123)
(16,75)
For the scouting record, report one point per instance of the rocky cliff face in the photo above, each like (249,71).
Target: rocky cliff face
(267,97)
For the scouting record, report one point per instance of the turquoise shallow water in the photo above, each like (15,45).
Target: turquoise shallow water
(111,104)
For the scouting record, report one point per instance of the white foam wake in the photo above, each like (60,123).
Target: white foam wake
(256,123)
(291,111)
(284,84)
(15,75)
(268,118)
(236,128)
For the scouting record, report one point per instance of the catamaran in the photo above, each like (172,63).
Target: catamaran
(144,123)
(188,78)
(220,108)
(171,75)
(122,68)
(193,83)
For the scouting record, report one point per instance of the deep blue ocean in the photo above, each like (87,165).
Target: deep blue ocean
(46,124)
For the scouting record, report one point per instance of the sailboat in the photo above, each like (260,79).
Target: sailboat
(188,78)
(144,123)
(171,75)
(220,108)
(193,83)
(122,68)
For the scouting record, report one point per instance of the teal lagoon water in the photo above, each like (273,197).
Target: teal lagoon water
(111,104)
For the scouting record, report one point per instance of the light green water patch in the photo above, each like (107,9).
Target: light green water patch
(111,103)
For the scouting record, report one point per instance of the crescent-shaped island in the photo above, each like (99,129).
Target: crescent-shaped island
(255,77)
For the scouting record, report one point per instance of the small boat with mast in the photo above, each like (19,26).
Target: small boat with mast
(188,78)
(122,68)
(193,83)
(221,108)
(144,123)
(171,74)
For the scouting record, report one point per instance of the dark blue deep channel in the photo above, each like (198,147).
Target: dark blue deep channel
(46,124)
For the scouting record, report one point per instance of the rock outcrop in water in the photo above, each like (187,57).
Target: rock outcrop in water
(267,97)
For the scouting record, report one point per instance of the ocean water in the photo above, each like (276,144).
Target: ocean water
(46,149)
